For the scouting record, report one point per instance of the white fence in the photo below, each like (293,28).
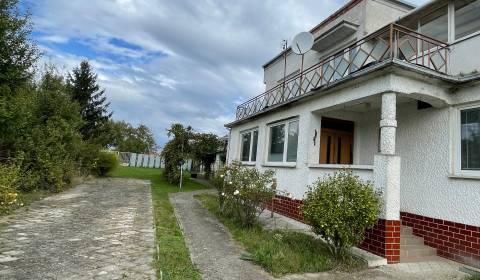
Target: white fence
(140,160)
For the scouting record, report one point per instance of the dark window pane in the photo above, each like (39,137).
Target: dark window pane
(277,141)
(292,141)
(254,146)
(467,17)
(246,137)
(470,136)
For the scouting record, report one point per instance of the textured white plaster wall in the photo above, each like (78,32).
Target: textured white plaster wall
(426,189)
(422,143)
(380,13)
(370,15)
(295,179)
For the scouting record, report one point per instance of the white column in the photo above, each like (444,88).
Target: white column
(387,164)
(388,123)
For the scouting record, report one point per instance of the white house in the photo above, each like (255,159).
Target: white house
(391,92)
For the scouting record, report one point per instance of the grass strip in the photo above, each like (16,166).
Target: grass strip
(281,252)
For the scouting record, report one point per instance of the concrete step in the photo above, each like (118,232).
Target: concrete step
(412,248)
(406,230)
(417,251)
(411,240)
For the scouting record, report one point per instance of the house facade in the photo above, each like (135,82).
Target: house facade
(391,92)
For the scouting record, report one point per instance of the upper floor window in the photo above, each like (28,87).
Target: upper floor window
(467,17)
(249,145)
(435,24)
(470,139)
(283,142)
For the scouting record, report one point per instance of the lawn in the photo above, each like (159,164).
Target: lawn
(173,259)
(281,252)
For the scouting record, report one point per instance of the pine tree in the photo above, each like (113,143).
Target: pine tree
(84,88)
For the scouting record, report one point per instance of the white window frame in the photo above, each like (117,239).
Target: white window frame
(457,142)
(284,161)
(251,131)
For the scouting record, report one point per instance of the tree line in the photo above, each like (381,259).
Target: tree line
(52,126)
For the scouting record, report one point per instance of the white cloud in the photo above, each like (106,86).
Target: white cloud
(214,52)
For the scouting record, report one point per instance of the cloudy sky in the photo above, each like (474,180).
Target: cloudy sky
(173,61)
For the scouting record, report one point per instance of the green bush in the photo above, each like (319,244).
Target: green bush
(340,209)
(244,191)
(106,162)
(87,156)
(9,176)
(46,140)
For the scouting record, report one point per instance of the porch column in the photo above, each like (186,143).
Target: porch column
(387,179)
(388,123)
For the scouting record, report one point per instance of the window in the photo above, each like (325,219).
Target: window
(249,146)
(336,141)
(470,139)
(283,142)
(435,24)
(467,17)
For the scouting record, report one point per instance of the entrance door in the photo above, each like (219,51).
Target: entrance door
(336,142)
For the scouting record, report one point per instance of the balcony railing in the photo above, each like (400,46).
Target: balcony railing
(392,41)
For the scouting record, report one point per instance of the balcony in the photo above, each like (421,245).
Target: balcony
(391,42)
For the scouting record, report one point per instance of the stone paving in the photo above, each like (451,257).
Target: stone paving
(102,229)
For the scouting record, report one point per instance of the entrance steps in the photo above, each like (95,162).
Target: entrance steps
(412,248)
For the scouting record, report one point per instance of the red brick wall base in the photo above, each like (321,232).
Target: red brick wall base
(287,207)
(455,241)
(384,240)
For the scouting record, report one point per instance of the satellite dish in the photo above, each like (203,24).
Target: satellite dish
(302,42)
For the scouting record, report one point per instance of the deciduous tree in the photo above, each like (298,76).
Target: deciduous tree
(176,150)
(204,148)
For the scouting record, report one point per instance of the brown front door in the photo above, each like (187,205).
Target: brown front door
(336,145)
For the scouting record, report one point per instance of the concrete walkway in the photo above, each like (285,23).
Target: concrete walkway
(102,229)
(212,249)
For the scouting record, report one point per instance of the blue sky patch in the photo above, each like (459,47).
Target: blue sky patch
(123,44)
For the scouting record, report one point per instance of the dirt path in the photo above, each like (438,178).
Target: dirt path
(99,230)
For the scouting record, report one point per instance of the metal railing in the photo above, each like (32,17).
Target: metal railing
(392,41)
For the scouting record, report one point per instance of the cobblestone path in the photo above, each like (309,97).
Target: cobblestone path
(102,229)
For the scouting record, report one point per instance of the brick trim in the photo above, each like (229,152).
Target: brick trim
(455,241)
(287,207)
(384,240)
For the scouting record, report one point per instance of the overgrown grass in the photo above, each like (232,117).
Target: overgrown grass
(281,252)
(27,198)
(173,258)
